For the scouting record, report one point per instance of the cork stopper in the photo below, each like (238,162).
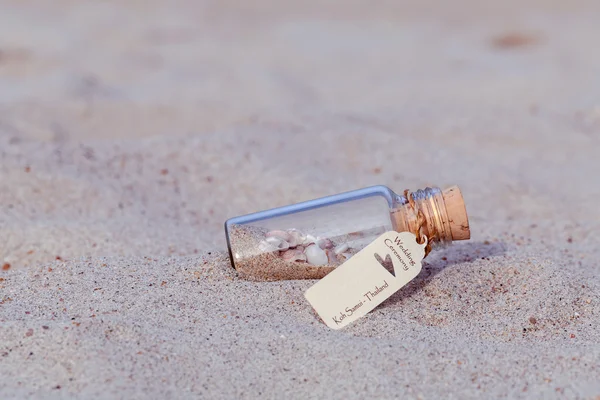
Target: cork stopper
(444,211)
(457,213)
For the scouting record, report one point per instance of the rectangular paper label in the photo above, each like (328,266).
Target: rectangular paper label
(367,279)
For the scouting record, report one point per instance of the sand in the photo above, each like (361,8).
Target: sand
(255,265)
(130,131)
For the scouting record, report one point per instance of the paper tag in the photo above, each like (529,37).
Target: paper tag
(367,279)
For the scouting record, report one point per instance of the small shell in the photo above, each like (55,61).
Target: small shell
(341,248)
(316,256)
(283,235)
(267,247)
(331,257)
(279,244)
(293,255)
(325,244)
(296,237)
(310,239)
(299,247)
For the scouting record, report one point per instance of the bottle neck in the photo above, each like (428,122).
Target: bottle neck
(430,202)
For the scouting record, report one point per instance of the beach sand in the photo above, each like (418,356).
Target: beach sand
(130,131)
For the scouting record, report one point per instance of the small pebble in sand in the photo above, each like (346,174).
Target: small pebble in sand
(5,267)
(513,40)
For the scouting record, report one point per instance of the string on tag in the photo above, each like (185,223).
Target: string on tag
(421,221)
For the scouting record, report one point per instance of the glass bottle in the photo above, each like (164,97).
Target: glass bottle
(309,239)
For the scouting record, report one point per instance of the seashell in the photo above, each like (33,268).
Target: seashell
(300,247)
(341,248)
(283,235)
(274,240)
(331,257)
(296,237)
(279,244)
(310,239)
(316,256)
(267,247)
(325,244)
(293,255)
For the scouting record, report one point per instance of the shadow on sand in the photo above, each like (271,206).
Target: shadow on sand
(443,259)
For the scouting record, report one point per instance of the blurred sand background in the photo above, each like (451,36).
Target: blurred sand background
(130,130)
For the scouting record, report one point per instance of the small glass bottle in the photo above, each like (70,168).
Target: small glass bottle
(308,240)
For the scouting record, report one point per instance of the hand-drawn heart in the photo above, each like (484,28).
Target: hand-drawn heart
(388,264)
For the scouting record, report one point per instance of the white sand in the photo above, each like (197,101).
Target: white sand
(129,133)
